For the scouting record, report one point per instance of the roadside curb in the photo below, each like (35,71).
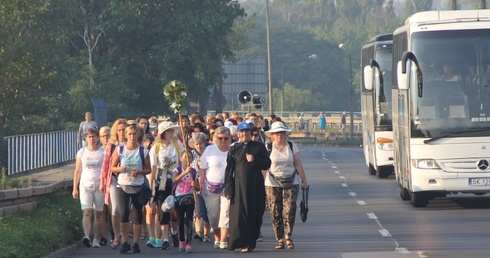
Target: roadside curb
(65,252)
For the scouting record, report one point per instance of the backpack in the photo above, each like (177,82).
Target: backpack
(269,147)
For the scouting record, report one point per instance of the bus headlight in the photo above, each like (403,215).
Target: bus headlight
(385,144)
(425,164)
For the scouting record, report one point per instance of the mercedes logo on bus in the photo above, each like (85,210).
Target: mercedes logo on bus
(483,164)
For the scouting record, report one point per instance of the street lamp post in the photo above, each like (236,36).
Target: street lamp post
(269,75)
(341,46)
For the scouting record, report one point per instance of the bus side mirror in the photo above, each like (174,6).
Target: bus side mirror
(368,77)
(401,77)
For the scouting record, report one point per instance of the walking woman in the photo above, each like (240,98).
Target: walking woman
(87,174)
(108,179)
(322,122)
(212,182)
(164,158)
(104,136)
(131,163)
(281,198)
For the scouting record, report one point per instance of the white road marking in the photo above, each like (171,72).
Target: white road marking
(402,250)
(371,215)
(384,233)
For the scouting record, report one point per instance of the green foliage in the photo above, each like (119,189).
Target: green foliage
(3,179)
(54,224)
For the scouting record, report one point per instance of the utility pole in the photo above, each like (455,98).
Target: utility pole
(269,76)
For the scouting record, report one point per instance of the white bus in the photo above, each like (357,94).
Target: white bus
(377,134)
(441,104)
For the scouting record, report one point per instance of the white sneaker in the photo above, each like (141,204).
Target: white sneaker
(216,244)
(223,245)
(95,243)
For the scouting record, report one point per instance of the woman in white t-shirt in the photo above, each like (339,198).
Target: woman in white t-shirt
(164,158)
(87,174)
(282,201)
(211,182)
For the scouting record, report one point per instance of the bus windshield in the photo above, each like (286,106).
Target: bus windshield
(455,71)
(383,91)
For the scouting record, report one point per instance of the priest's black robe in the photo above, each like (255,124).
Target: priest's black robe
(245,184)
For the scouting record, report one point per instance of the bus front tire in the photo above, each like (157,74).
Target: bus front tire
(419,199)
(383,172)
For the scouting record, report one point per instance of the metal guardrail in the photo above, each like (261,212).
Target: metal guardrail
(25,153)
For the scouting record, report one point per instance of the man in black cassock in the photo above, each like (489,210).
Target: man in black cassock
(244,186)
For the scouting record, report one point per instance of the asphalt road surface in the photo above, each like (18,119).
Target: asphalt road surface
(355,215)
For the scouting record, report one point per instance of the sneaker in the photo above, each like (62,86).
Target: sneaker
(165,245)
(188,248)
(216,244)
(95,243)
(223,245)
(175,240)
(158,243)
(136,249)
(115,243)
(125,248)
(86,242)
(198,237)
(151,242)
(103,241)
(181,246)
(206,238)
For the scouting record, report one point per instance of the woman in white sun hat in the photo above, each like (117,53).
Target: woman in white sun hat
(282,183)
(164,158)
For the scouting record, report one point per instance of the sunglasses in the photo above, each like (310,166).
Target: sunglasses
(255,134)
(223,138)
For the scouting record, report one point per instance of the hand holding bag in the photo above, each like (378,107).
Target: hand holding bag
(303,206)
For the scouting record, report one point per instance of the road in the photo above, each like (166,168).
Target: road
(354,215)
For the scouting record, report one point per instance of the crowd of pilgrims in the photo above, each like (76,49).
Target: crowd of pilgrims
(210,179)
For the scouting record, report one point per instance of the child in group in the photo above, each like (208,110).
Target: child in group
(184,180)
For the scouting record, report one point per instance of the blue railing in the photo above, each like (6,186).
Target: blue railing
(26,153)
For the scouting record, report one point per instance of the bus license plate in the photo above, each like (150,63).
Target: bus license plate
(479,181)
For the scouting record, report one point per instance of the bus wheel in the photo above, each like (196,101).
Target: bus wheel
(371,169)
(383,172)
(419,199)
(404,194)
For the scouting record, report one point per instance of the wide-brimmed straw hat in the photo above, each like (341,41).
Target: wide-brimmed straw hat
(164,126)
(277,127)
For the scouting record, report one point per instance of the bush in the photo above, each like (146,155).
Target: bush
(54,224)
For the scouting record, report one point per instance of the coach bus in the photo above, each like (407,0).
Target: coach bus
(441,104)
(377,135)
